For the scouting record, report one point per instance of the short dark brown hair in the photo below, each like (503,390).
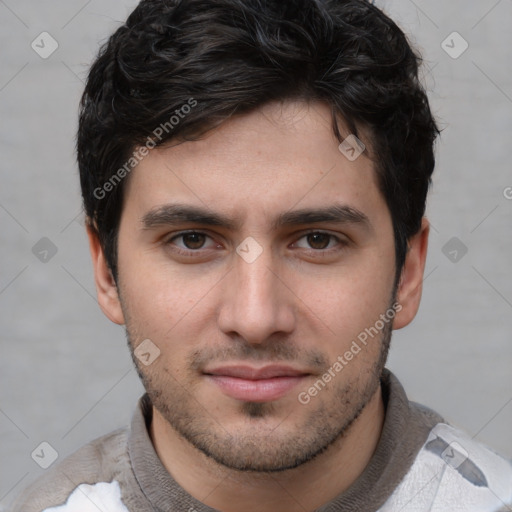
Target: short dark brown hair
(178,68)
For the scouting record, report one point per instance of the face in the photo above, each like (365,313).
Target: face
(255,261)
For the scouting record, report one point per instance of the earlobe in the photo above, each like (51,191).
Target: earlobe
(411,279)
(106,288)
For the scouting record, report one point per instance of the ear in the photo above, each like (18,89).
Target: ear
(106,287)
(411,279)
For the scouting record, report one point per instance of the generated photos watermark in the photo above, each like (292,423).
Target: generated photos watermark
(304,397)
(143,151)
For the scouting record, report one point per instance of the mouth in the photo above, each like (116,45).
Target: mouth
(251,384)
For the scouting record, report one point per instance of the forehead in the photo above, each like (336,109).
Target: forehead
(257,165)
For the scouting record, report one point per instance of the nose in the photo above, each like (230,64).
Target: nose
(256,302)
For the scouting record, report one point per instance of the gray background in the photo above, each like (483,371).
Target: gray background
(65,370)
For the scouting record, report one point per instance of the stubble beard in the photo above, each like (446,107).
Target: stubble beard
(260,448)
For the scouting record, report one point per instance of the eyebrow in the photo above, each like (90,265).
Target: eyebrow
(175,214)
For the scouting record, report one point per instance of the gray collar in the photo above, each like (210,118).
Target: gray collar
(405,430)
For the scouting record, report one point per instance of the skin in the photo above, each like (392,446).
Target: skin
(301,302)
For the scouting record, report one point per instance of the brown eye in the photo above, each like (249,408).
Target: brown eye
(318,240)
(192,246)
(193,240)
(320,243)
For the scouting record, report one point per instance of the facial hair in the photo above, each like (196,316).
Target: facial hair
(258,447)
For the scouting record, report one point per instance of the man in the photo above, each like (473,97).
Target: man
(254,175)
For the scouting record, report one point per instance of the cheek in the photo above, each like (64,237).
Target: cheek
(344,305)
(165,304)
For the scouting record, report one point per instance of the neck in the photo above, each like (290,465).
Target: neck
(304,488)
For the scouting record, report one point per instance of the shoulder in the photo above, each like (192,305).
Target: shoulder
(93,471)
(453,471)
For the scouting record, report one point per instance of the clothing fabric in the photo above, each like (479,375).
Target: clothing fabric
(421,464)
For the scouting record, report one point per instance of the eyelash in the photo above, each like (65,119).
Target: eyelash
(317,252)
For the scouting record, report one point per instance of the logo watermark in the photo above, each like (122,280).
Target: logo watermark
(352,147)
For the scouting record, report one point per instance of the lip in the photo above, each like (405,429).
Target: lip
(250,384)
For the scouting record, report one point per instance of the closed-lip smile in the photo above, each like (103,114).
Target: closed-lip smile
(262,384)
